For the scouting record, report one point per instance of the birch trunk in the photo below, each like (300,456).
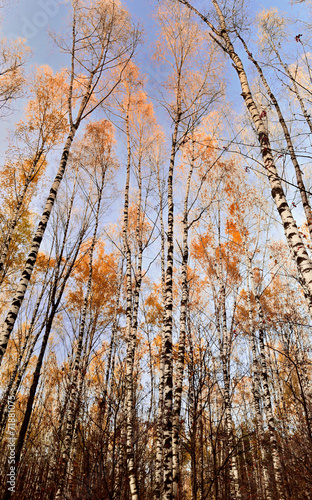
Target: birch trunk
(192,416)
(20,368)
(11,316)
(16,214)
(304,198)
(78,364)
(111,350)
(266,392)
(291,230)
(182,340)
(31,397)
(167,347)
(50,315)
(225,363)
(256,384)
(19,371)
(131,322)
(159,431)
(225,351)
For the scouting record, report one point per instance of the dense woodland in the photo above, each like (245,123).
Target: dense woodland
(155,256)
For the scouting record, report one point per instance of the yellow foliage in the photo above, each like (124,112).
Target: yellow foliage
(46,112)
(104,282)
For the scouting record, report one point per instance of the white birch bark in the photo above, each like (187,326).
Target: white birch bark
(101,57)
(72,405)
(19,369)
(132,310)
(182,340)
(256,386)
(167,347)
(159,432)
(16,214)
(110,365)
(11,316)
(263,466)
(266,393)
(225,352)
(291,231)
(78,362)
(56,294)
(304,198)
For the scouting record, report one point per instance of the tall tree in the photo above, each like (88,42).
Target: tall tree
(102,35)
(222,36)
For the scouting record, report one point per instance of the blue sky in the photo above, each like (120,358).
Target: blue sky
(33,19)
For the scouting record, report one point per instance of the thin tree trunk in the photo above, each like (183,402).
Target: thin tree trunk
(49,322)
(31,397)
(167,347)
(266,391)
(291,230)
(132,304)
(16,214)
(11,316)
(225,351)
(256,387)
(77,365)
(19,370)
(159,431)
(304,198)
(182,340)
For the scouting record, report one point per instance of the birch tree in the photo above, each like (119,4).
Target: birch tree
(13,57)
(44,127)
(222,36)
(178,31)
(102,37)
(98,143)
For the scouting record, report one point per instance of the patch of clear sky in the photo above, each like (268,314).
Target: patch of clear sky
(33,19)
